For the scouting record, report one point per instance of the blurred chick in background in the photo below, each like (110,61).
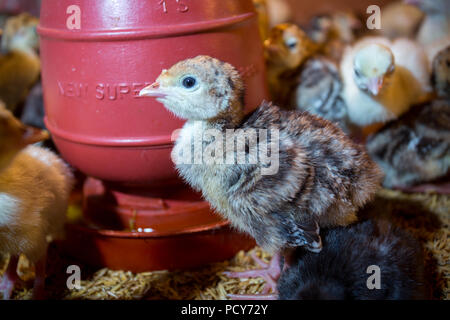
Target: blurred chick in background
(299,79)
(415,149)
(441,74)
(400,20)
(286,49)
(20,65)
(271,13)
(383,79)
(434,33)
(318,91)
(333,32)
(436,25)
(340,270)
(34,191)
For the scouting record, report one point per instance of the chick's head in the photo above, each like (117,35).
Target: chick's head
(14,136)
(20,33)
(288,47)
(201,88)
(373,65)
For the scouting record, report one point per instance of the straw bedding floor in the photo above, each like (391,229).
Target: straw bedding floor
(426,216)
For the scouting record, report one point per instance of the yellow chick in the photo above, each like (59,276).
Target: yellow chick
(383,79)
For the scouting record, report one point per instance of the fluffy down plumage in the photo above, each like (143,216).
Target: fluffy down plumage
(415,149)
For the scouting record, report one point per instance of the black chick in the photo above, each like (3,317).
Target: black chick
(342,269)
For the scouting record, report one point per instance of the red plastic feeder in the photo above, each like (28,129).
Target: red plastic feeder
(96,57)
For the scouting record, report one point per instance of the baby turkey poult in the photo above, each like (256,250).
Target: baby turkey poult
(34,191)
(320,179)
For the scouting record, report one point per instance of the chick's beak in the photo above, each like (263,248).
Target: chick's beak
(33,135)
(374,85)
(153,90)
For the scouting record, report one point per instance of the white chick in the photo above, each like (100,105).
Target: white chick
(383,79)
(34,191)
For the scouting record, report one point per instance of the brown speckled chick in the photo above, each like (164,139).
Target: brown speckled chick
(322,177)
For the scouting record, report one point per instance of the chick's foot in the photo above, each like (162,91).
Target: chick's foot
(270,272)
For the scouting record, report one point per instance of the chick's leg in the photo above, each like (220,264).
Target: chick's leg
(10,278)
(269,272)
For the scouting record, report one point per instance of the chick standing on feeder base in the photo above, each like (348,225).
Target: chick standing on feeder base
(383,79)
(340,270)
(34,191)
(286,49)
(415,149)
(20,65)
(319,177)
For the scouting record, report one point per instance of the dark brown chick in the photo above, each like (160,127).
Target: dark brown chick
(20,65)
(286,49)
(315,177)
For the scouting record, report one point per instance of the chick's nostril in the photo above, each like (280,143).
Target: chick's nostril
(155,85)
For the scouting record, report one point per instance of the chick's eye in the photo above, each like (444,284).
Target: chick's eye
(291,44)
(189,82)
